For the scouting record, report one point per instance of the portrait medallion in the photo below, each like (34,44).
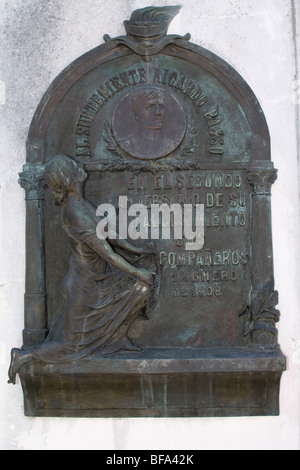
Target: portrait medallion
(149,123)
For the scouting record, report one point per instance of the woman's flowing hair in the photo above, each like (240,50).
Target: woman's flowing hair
(60,175)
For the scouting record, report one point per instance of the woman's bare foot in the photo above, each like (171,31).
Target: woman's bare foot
(129,346)
(14,365)
(18,359)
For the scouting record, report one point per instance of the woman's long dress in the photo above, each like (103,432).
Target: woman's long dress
(99,306)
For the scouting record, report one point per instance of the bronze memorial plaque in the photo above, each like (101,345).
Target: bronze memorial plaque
(149,274)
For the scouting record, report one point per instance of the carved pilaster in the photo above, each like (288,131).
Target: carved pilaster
(261,313)
(32,180)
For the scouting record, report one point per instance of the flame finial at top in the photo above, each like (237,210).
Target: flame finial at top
(151,21)
(147,31)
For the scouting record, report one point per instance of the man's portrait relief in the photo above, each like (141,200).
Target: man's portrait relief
(149,123)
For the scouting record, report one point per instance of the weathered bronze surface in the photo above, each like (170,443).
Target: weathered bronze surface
(149,326)
(149,123)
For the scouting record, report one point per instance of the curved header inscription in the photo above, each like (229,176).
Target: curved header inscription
(181,98)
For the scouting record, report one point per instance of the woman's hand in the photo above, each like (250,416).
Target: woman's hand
(146,276)
(149,248)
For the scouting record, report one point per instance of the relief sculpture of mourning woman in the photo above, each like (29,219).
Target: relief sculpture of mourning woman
(103,293)
(137,329)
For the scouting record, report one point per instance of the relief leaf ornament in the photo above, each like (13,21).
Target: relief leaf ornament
(190,141)
(262,314)
(109,138)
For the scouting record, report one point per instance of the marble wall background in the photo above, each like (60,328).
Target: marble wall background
(260,39)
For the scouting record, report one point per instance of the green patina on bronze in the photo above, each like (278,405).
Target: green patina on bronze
(135,328)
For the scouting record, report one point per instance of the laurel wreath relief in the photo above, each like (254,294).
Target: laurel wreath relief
(187,148)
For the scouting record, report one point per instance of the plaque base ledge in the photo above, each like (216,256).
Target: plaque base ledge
(183,360)
(195,383)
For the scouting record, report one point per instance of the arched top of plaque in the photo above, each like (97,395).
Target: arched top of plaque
(149,98)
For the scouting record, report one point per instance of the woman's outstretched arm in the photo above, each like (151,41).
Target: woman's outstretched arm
(147,248)
(103,248)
